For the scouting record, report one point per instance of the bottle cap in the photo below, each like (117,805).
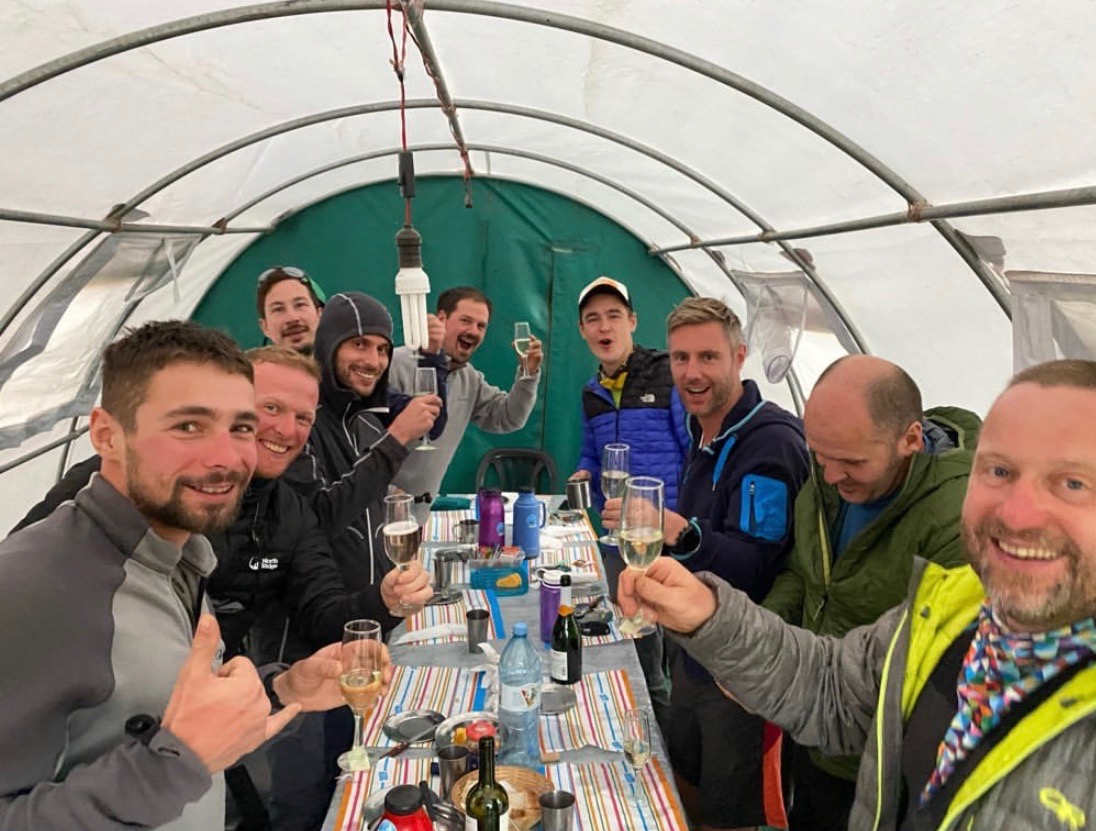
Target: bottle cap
(526,489)
(565,610)
(480,728)
(521,629)
(403,800)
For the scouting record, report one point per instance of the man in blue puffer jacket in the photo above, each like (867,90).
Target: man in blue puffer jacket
(632,400)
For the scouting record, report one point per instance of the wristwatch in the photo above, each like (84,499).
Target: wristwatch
(142,727)
(688,541)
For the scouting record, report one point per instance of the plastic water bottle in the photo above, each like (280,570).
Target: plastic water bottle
(519,700)
(529,515)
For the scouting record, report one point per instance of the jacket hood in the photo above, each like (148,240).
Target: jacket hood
(350,314)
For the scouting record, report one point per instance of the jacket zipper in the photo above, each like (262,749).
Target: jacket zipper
(753,509)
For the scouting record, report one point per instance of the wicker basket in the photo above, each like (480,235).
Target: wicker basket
(522,784)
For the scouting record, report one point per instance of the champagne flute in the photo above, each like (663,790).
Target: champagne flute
(522,335)
(614,472)
(637,738)
(360,683)
(641,518)
(426,383)
(402,537)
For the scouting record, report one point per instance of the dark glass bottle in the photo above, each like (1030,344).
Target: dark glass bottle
(487,807)
(565,659)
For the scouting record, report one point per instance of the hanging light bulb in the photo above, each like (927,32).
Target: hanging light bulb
(412,284)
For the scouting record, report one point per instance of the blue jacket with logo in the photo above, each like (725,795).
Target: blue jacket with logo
(650,419)
(740,489)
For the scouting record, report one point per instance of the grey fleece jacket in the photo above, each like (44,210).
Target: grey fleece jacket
(96,618)
(470,399)
(849,696)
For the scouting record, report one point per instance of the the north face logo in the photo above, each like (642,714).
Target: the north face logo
(647,398)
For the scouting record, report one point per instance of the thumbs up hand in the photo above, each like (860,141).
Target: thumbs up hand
(220,715)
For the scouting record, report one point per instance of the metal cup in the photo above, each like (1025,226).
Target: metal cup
(453,764)
(557,810)
(467,531)
(444,564)
(578,493)
(477,628)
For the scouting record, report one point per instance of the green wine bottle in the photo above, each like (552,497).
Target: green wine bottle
(487,807)
(565,659)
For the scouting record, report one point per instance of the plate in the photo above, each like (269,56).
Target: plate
(523,786)
(443,736)
(410,724)
(556,699)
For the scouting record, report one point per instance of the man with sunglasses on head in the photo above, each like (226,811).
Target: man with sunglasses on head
(289,304)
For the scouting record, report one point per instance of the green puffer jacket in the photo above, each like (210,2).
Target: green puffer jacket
(854,695)
(873,573)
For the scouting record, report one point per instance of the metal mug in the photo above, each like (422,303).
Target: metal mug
(444,564)
(467,532)
(578,493)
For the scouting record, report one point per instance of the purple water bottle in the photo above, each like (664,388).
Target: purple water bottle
(492,519)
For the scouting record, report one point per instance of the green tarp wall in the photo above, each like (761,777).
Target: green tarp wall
(530,250)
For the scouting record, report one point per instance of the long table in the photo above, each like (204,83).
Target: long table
(601,658)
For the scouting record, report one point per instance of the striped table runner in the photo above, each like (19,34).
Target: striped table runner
(597,717)
(455,612)
(448,690)
(385,773)
(613,797)
(585,556)
(441,527)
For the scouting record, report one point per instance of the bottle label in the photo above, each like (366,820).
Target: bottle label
(471,824)
(386,825)
(557,666)
(520,698)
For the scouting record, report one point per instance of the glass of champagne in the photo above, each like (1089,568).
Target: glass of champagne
(521,343)
(637,738)
(641,517)
(426,383)
(614,472)
(402,537)
(360,683)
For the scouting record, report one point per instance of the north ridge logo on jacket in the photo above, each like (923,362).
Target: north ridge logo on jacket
(263,563)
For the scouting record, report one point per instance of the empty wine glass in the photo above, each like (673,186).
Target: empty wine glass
(614,472)
(360,683)
(426,383)
(637,738)
(641,524)
(522,336)
(402,537)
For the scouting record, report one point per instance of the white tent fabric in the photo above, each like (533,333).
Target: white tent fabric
(952,102)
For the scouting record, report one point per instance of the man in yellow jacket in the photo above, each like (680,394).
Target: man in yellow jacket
(974,702)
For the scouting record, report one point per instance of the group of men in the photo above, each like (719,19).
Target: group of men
(815,576)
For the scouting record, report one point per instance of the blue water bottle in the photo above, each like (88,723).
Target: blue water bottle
(519,700)
(529,515)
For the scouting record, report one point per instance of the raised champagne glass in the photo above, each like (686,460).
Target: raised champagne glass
(641,517)
(614,473)
(402,537)
(426,383)
(360,683)
(522,336)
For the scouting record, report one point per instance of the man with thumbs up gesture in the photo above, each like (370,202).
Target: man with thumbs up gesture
(115,709)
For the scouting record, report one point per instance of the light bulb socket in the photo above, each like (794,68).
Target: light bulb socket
(409,247)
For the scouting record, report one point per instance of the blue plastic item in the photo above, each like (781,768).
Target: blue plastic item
(519,700)
(530,514)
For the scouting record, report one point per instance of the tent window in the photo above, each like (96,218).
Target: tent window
(1053,316)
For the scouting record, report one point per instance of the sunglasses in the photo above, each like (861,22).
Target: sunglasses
(279,273)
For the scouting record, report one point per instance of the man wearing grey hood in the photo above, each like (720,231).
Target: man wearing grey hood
(360,421)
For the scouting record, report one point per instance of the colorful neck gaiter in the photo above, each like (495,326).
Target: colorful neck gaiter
(1000,669)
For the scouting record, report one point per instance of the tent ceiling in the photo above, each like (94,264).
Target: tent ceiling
(740,117)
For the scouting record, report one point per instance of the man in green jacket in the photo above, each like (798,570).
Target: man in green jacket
(887,486)
(973,702)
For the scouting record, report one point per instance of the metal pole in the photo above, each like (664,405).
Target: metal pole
(45,448)
(116,226)
(1040,201)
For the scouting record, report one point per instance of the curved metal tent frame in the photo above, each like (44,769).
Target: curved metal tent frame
(799,115)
